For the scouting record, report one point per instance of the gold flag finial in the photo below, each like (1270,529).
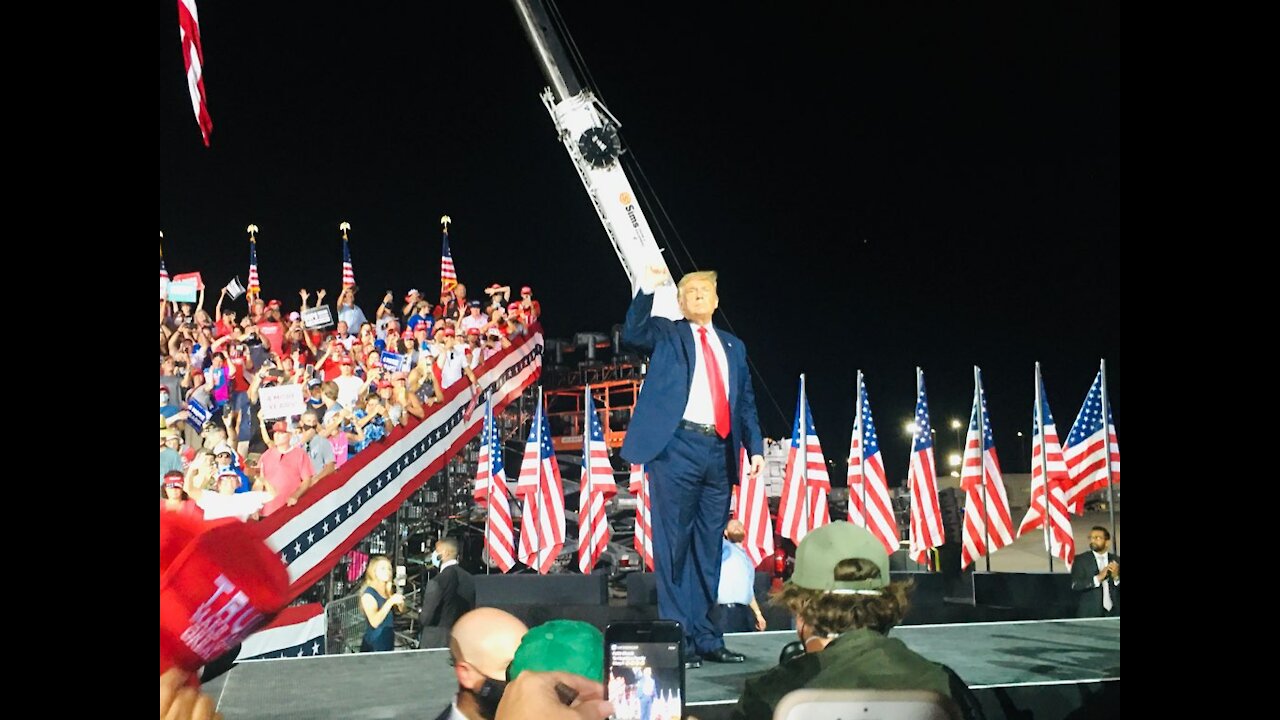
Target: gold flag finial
(344,226)
(252,230)
(445,220)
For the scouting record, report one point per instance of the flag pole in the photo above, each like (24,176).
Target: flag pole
(584,483)
(492,427)
(252,293)
(1106,446)
(1044,464)
(803,458)
(911,456)
(982,463)
(860,428)
(537,417)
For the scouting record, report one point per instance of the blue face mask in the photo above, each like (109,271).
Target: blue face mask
(435,558)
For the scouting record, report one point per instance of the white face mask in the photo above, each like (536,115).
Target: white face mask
(164,399)
(435,558)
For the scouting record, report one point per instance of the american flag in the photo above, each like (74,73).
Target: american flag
(448,276)
(926,516)
(164,277)
(298,631)
(1087,447)
(803,507)
(193,64)
(751,507)
(869,503)
(491,492)
(1046,459)
(596,488)
(639,487)
(982,482)
(254,290)
(542,524)
(348,275)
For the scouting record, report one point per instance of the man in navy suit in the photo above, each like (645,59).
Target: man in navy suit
(696,410)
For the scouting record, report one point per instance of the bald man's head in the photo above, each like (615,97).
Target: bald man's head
(486,639)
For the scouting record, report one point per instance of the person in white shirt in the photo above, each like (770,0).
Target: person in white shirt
(1095,577)
(349,386)
(226,502)
(452,359)
(474,319)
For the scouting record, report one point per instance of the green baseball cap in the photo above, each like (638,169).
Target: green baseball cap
(565,645)
(821,550)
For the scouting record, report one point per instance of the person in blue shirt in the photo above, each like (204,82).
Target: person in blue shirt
(348,311)
(167,409)
(736,598)
(372,420)
(224,459)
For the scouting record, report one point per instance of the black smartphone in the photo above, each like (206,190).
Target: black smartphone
(644,669)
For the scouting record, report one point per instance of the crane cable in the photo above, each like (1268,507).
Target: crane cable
(577,58)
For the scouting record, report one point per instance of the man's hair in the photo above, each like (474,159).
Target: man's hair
(829,613)
(447,542)
(329,390)
(1105,533)
(708,275)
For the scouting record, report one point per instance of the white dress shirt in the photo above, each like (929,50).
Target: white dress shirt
(699,408)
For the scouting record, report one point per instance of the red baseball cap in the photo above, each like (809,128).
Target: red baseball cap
(164,388)
(218,583)
(279,426)
(173,478)
(526,290)
(346,360)
(407,333)
(473,331)
(382,384)
(274,303)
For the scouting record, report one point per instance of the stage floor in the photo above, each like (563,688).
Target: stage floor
(419,683)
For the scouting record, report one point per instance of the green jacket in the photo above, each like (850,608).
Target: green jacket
(857,659)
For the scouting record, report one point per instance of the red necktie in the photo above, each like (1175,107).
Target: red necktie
(718,399)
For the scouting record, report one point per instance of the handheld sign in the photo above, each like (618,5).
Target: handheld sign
(183,291)
(317,317)
(282,401)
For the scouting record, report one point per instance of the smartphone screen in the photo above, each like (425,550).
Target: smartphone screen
(645,680)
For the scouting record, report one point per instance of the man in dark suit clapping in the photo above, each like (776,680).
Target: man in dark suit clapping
(696,411)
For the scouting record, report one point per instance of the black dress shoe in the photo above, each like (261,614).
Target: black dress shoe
(724,655)
(692,664)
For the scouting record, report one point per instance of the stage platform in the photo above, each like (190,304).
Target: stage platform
(1043,669)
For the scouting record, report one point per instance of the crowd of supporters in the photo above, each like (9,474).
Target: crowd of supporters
(362,376)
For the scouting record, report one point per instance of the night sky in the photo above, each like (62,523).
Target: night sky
(879,187)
